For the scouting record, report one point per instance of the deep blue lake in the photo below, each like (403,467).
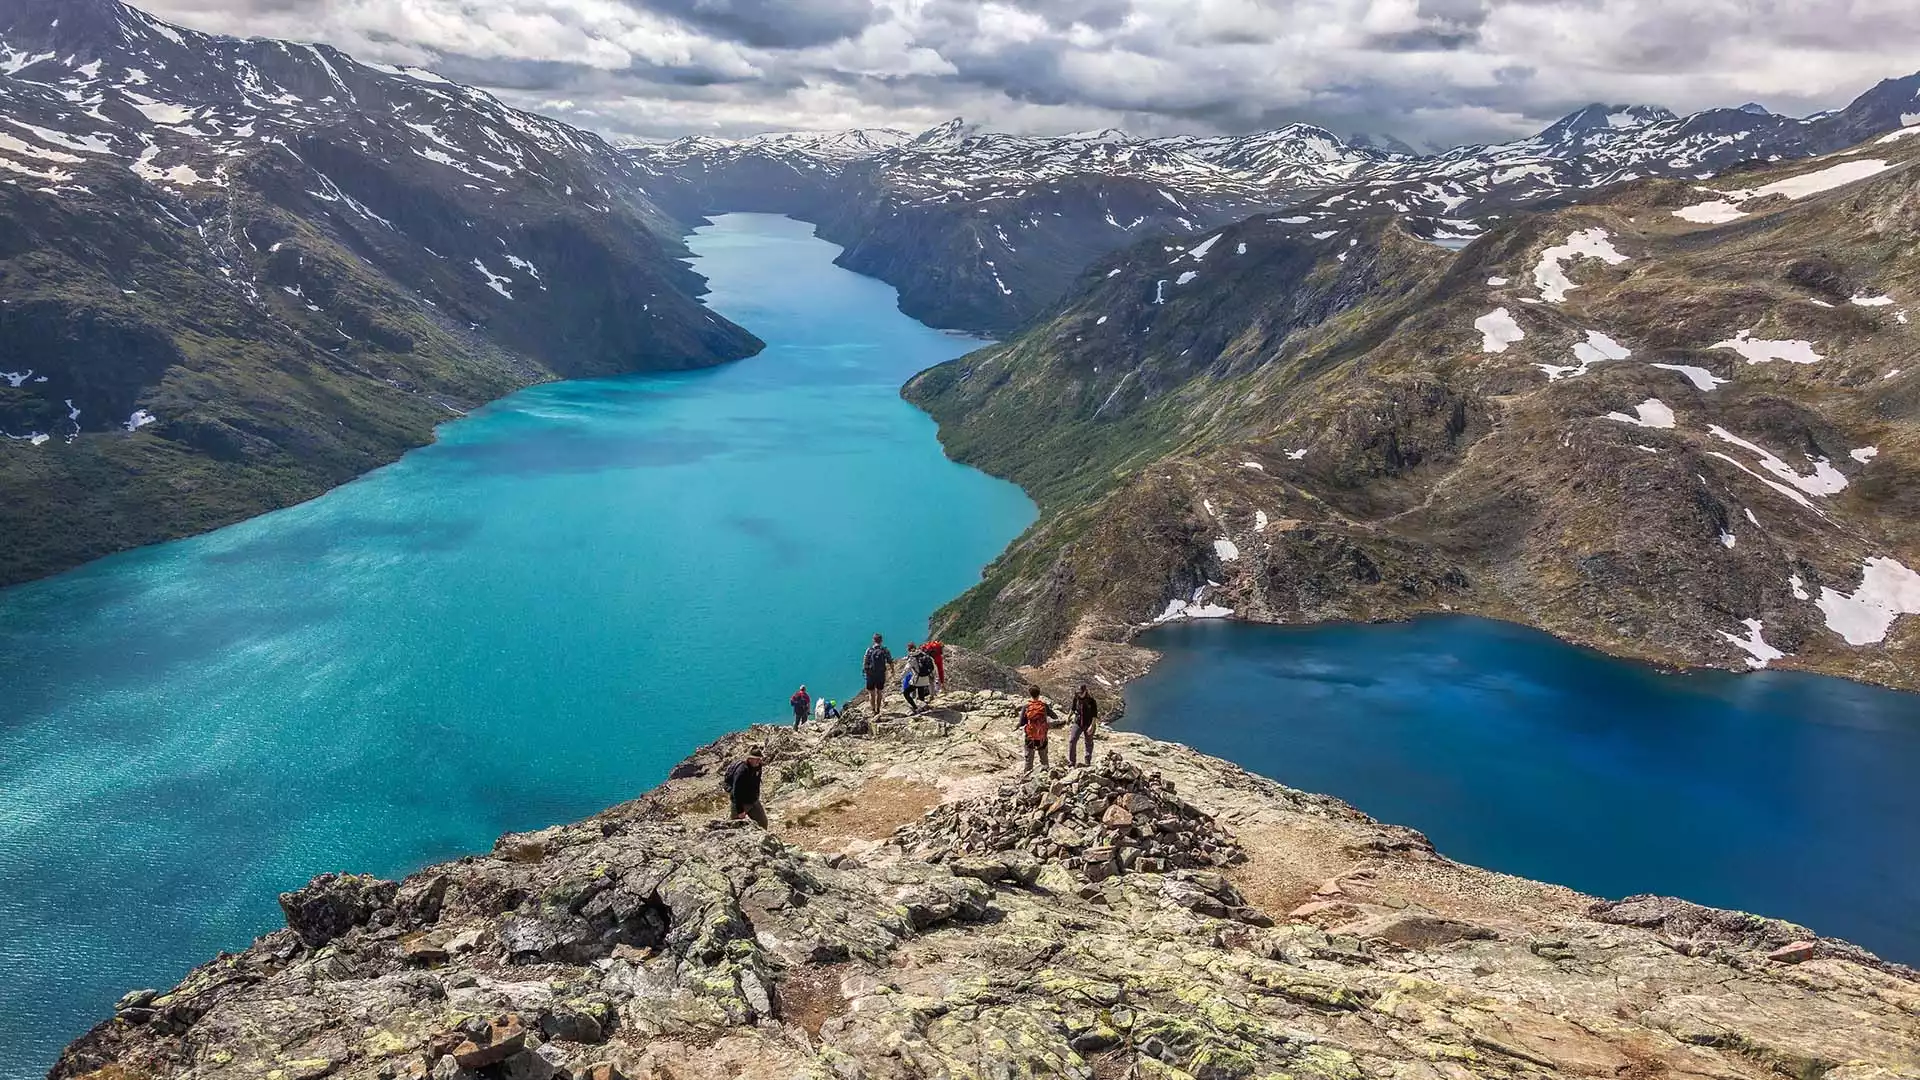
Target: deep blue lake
(1779,793)
(524,623)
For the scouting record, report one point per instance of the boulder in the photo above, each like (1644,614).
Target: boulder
(425,948)
(332,904)
(580,1021)
(551,938)
(488,1042)
(1793,952)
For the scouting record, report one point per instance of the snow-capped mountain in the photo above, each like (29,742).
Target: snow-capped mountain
(233,273)
(1023,214)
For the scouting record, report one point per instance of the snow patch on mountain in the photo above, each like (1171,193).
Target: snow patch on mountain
(1550,274)
(1761,350)
(1498,330)
(1728,206)
(1651,413)
(1887,591)
(1700,377)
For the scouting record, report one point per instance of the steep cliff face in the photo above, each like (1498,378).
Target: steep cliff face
(233,274)
(920,910)
(1678,423)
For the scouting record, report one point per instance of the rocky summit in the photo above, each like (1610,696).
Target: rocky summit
(920,909)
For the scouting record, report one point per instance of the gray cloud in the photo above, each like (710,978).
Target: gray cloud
(1432,72)
(772,24)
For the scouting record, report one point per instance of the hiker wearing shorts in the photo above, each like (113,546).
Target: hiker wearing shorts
(801,702)
(743,788)
(1032,720)
(874,666)
(1085,712)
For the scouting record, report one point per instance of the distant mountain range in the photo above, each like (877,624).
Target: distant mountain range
(235,273)
(984,231)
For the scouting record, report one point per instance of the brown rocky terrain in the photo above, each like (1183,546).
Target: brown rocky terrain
(919,909)
(1677,423)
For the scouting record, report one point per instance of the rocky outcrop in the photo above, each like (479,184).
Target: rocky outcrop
(916,912)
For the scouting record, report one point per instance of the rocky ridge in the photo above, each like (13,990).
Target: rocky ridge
(856,940)
(236,273)
(1676,423)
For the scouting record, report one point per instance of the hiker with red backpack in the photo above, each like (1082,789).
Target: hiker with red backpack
(1033,719)
(937,651)
(801,702)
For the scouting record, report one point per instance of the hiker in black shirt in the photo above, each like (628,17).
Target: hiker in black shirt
(1085,712)
(743,788)
(874,666)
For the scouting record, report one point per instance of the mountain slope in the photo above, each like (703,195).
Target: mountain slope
(1679,423)
(235,273)
(984,231)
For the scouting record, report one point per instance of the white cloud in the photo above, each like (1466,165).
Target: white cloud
(1429,71)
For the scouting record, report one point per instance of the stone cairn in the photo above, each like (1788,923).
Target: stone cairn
(1107,819)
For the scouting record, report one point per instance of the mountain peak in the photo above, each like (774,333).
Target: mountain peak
(945,136)
(1105,135)
(1383,142)
(1603,117)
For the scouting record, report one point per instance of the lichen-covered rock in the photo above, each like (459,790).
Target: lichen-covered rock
(333,904)
(644,945)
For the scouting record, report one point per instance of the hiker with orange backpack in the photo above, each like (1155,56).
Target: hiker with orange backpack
(1033,719)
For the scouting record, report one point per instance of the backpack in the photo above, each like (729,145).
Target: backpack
(1035,715)
(923,666)
(875,662)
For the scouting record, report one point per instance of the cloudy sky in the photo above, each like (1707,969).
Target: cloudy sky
(1433,72)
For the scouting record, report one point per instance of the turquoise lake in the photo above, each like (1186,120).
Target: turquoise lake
(528,621)
(1775,792)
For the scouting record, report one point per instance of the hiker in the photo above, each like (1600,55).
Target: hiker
(743,788)
(829,709)
(801,702)
(938,651)
(925,674)
(1085,713)
(1033,717)
(909,678)
(874,666)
